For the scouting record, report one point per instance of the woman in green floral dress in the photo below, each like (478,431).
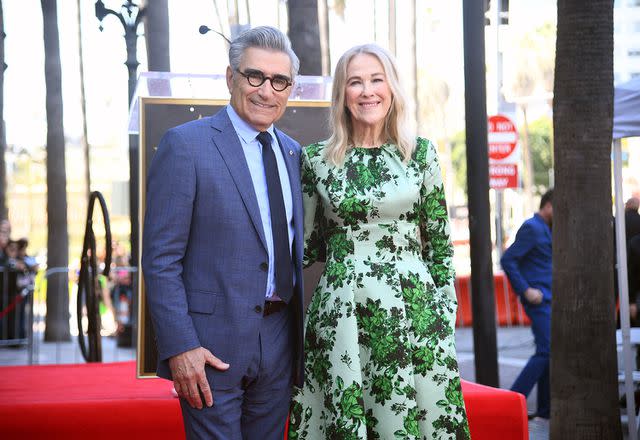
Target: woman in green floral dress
(379,342)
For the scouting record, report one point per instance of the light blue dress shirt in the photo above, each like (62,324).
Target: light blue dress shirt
(253,154)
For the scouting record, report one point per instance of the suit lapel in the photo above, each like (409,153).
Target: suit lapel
(292,161)
(226,141)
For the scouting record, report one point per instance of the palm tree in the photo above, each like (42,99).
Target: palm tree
(156,24)
(304,33)
(57,320)
(83,106)
(3,143)
(583,357)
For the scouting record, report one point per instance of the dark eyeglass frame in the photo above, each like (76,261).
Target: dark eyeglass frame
(253,75)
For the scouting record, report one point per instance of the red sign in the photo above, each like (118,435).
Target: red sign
(503,175)
(503,137)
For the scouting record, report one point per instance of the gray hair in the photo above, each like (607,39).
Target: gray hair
(262,37)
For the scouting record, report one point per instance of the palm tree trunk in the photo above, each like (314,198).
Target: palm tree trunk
(83,104)
(4,212)
(157,35)
(324,33)
(57,320)
(392,27)
(583,351)
(304,33)
(248,9)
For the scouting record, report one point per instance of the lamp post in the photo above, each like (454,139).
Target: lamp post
(130,16)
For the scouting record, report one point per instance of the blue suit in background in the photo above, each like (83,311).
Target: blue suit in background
(205,263)
(527,263)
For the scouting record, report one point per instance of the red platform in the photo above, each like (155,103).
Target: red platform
(106,401)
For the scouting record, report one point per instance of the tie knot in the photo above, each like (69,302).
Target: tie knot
(264,138)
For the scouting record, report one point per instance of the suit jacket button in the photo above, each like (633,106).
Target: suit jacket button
(258,309)
(264,266)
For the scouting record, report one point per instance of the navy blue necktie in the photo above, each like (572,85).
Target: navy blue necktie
(279,226)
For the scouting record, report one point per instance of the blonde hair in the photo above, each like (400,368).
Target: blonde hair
(395,123)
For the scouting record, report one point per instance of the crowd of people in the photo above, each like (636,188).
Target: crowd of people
(116,294)
(20,270)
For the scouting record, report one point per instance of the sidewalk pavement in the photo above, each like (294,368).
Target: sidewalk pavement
(515,345)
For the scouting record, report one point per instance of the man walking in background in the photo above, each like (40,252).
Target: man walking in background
(631,218)
(527,264)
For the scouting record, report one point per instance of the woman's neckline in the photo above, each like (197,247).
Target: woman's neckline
(377,147)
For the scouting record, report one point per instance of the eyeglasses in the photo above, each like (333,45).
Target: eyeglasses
(257,78)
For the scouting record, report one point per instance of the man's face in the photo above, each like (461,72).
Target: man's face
(259,106)
(548,212)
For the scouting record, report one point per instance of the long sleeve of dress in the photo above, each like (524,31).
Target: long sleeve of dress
(437,248)
(314,245)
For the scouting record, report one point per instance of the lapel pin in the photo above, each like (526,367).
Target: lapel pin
(290,153)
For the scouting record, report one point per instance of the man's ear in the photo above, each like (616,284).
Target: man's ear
(229,78)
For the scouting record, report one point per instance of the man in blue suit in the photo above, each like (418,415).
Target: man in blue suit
(222,252)
(527,264)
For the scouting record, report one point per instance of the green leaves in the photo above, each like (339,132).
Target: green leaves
(454,393)
(335,273)
(351,403)
(354,211)
(340,246)
(423,359)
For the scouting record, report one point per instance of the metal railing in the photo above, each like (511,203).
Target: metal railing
(16,309)
(34,349)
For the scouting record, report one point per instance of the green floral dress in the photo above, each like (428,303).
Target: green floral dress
(379,343)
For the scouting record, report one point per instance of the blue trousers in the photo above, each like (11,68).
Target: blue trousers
(537,368)
(257,408)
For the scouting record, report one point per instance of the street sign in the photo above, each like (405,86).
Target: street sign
(503,137)
(503,162)
(503,176)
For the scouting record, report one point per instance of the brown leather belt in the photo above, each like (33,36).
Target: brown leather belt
(273,307)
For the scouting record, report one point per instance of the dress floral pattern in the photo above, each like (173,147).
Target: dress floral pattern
(379,342)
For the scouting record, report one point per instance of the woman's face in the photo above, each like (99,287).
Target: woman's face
(367,92)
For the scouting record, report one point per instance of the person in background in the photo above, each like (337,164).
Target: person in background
(25,267)
(5,233)
(30,262)
(527,264)
(633,271)
(631,218)
(632,229)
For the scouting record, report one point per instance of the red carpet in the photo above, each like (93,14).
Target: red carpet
(106,401)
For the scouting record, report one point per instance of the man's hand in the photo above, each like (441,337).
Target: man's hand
(533,296)
(189,379)
(633,310)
